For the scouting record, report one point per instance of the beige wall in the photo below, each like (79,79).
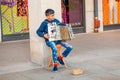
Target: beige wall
(89,5)
(100,16)
(39,51)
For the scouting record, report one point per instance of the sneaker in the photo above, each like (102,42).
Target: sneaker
(60,59)
(55,68)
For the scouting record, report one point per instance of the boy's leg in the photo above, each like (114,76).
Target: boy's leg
(67,50)
(54,51)
(54,54)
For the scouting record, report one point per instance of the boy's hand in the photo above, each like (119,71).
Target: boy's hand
(63,40)
(46,36)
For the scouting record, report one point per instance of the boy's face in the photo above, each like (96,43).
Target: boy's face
(50,17)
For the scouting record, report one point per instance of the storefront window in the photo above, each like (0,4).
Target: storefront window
(111,10)
(22,8)
(14,17)
(72,12)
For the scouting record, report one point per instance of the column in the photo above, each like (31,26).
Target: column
(89,15)
(97,15)
(96,8)
(100,14)
(89,12)
(39,51)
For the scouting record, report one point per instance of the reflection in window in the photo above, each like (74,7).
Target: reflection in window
(72,12)
(22,7)
(111,11)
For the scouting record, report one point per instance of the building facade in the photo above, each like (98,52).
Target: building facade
(39,51)
(21,18)
(15,17)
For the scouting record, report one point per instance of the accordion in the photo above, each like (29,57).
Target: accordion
(57,32)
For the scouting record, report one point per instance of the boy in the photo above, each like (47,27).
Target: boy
(43,32)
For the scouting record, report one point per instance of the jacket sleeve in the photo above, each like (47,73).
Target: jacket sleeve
(41,29)
(60,23)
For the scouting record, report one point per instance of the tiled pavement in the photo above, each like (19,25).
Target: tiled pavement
(97,53)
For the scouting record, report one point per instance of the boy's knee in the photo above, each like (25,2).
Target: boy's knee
(70,47)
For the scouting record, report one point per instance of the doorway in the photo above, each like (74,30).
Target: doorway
(14,20)
(73,13)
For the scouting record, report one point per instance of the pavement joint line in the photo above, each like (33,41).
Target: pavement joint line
(17,41)
(98,32)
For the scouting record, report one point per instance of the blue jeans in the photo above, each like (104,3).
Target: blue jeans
(54,49)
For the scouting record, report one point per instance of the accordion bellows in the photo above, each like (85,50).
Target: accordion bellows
(64,33)
(57,32)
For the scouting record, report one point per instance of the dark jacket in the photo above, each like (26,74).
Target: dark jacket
(43,29)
